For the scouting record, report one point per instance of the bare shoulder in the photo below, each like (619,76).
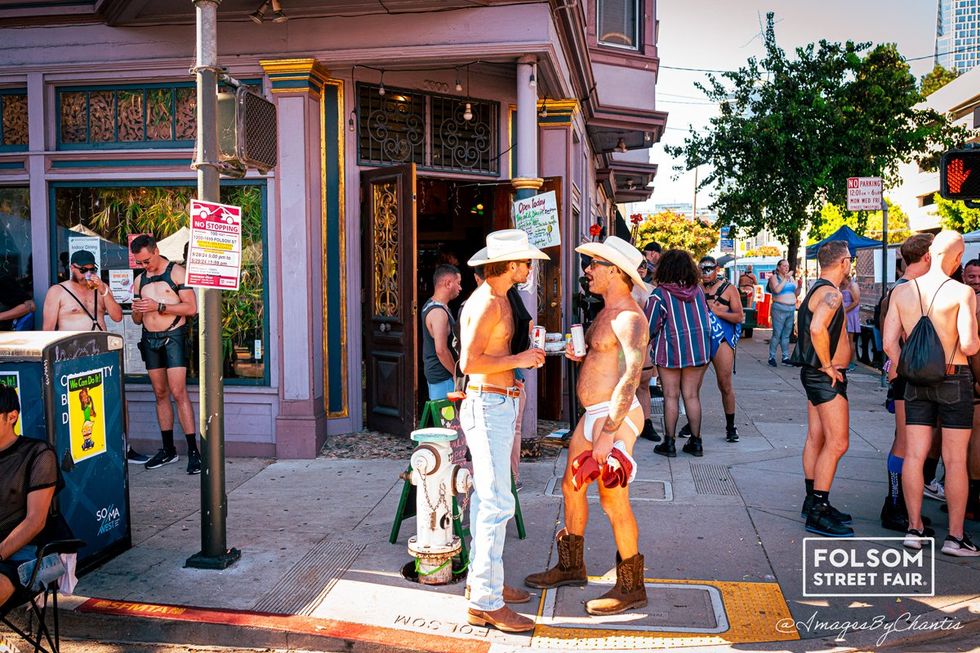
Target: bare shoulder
(481,306)
(178,274)
(827,297)
(629,322)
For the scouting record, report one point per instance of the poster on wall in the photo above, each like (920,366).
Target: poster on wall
(86,414)
(538,216)
(12,380)
(85,244)
(121,285)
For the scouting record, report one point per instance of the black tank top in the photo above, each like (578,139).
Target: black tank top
(805,354)
(435,371)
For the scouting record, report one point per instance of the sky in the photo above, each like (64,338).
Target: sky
(722,35)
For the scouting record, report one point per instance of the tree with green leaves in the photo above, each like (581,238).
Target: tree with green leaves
(956,215)
(791,130)
(763,250)
(832,218)
(676,231)
(936,79)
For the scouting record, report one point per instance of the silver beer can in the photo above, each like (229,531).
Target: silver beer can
(578,340)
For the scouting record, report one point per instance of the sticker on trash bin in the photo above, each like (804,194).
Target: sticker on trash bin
(86,417)
(12,379)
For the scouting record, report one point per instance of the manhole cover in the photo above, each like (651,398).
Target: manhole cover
(713,479)
(677,608)
(640,490)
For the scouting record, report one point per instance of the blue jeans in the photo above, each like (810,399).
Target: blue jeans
(441,390)
(488,422)
(782,328)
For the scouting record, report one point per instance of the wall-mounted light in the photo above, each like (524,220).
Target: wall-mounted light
(532,81)
(543,113)
(352,120)
(621,145)
(259,13)
(459,84)
(277,14)
(381,88)
(647,137)
(468,112)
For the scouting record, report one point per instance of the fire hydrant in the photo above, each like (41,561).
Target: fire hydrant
(437,481)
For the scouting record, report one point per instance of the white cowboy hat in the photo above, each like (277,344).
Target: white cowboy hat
(507,245)
(621,254)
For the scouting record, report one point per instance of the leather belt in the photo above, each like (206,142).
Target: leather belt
(956,369)
(513,393)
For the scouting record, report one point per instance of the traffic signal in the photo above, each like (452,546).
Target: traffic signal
(959,175)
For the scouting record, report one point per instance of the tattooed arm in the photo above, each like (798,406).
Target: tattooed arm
(630,329)
(827,305)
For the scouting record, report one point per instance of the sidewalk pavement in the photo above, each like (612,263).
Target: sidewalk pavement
(721,535)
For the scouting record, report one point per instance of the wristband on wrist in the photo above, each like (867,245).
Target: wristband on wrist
(161,308)
(106,292)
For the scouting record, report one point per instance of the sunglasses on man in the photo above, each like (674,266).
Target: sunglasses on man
(605,264)
(708,268)
(87,268)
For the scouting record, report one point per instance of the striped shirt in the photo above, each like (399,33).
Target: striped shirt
(680,332)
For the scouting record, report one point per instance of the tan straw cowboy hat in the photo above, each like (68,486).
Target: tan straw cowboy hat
(507,245)
(620,253)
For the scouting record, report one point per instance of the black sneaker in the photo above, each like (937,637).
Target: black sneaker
(772,362)
(962,548)
(666,448)
(821,521)
(135,458)
(648,432)
(694,447)
(685,431)
(893,518)
(731,434)
(811,501)
(193,462)
(162,457)
(787,361)
(913,538)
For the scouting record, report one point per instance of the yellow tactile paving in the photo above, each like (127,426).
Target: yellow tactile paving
(752,611)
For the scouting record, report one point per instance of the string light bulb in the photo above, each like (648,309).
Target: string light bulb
(381,88)
(532,81)
(459,84)
(350,121)
(621,145)
(468,112)
(543,113)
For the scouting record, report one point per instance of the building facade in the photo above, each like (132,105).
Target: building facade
(405,134)
(958,35)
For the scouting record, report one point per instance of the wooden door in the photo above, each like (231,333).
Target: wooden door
(389,298)
(550,385)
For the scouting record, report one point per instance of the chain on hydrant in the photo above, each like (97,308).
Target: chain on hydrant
(437,481)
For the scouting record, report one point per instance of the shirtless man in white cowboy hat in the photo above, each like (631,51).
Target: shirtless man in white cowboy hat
(488,416)
(602,444)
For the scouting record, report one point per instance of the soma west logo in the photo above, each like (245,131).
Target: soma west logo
(868,566)
(108,517)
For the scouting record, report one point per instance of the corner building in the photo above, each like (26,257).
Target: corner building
(480,105)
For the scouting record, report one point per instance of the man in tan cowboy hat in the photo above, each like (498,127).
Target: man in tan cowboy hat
(603,440)
(487,416)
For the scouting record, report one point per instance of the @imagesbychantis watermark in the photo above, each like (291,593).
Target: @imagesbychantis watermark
(868,566)
(904,623)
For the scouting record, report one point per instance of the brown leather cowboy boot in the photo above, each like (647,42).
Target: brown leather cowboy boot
(570,569)
(628,593)
(503,619)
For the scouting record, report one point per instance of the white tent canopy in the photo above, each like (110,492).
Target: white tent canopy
(172,247)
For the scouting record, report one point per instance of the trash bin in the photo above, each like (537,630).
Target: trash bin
(71,393)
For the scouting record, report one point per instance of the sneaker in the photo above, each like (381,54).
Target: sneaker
(666,448)
(852,367)
(821,521)
(772,362)
(787,361)
(913,538)
(694,447)
(685,431)
(962,548)
(193,462)
(135,458)
(162,457)
(731,434)
(811,501)
(935,490)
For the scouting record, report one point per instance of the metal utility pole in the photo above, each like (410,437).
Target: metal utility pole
(214,553)
(884,247)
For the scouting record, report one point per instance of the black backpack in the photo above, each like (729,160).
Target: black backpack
(923,360)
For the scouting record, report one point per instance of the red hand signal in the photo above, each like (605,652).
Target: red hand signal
(955,175)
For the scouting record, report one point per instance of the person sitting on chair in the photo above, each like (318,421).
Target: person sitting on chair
(28,478)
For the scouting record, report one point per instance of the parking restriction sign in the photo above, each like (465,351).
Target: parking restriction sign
(214,258)
(864,193)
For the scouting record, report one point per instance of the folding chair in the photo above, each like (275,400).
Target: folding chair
(42,588)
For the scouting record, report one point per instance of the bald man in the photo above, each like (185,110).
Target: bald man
(951,307)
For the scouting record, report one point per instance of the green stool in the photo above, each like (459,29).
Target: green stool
(406,503)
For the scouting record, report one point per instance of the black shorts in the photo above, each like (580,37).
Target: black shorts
(949,402)
(165,349)
(818,388)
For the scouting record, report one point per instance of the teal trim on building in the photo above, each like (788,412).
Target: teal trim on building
(335,274)
(11,165)
(120,163)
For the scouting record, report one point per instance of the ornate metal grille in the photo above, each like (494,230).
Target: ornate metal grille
(128,116)
(13,120)
(428,130)
(385,203)
(464,145)
(392,126)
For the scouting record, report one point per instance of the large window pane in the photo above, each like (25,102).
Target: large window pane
(15,249)
(112,213)
(618,23)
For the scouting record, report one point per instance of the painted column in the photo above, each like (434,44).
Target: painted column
(40,219)
(297,85)
(526,184)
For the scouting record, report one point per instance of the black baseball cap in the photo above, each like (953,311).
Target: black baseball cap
(652,246)
(83,257)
